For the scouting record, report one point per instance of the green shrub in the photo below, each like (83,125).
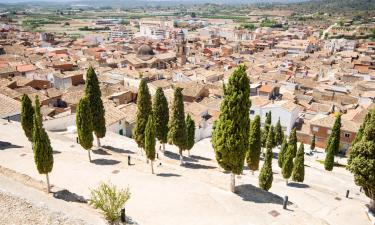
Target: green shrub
(109,200)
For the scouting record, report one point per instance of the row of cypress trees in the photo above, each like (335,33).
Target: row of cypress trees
(31,121)
(154,122)
(90,108)
(235,139)
(90,113)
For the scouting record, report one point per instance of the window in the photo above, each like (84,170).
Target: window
(316,129)
(347,135)
(252,112)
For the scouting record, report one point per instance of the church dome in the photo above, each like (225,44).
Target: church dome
(145,52)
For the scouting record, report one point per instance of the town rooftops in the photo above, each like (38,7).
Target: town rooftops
(9,106)
(329,120)
(26,68)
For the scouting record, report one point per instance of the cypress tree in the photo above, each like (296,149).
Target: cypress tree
(267,125)
(84,122)
(27,113)
(283,149)
(144,107)
(272,141)
(359,135)
(253,155)
(279,134)
(312,146)
(93,93)
(230,137)
(150,141)
(266,176)
(177,126)
(298,174)
(161,116)
(190,133)
(362,158)
(293,142)
(43,154)
(330,155)
(268,118)
(333,144)
(287,168)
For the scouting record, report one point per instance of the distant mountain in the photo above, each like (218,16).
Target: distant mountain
(338,5)
(109,2)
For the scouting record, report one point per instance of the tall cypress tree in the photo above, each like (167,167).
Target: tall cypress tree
(298,174)
(267,125)
(144,109)
(27,113)
(177,126)
(230,137)
(268,118)
(253,155)
(293,141)
(190,133)
(362,158)
(279,134)
(312,146)
(84,123)
(333,144)
(266,176)
(283,150)
(287,168)
(359,135)
(161,116)
(150,141)
(43,153)
(93,93)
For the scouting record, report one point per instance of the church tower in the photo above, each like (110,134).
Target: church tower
(181,50)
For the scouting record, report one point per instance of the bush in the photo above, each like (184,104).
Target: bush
(109,200)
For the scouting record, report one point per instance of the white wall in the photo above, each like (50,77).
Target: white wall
(61,123)
(287,119)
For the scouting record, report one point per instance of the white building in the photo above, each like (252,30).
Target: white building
(154,29)
(121,32)
(287,111)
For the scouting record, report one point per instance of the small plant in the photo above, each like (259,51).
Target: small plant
(109,199)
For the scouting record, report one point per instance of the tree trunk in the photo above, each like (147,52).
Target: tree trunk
(252,172)
(181,157)
(48,188)
(164,148)
(88,152)
(232,182)
(98,141)
(152,166)
(189,153)
(286,182)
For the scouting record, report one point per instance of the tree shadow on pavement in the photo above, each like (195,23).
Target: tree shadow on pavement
(197,166)
(6,145)
(176,156)
(68,196)
(298,185)
(100,152)
(117,150)
(251,193)
(105,162)
(168,175)
(197,157)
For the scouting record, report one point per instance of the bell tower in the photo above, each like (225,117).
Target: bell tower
(181,50)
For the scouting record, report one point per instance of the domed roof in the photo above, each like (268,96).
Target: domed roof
(145,52)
